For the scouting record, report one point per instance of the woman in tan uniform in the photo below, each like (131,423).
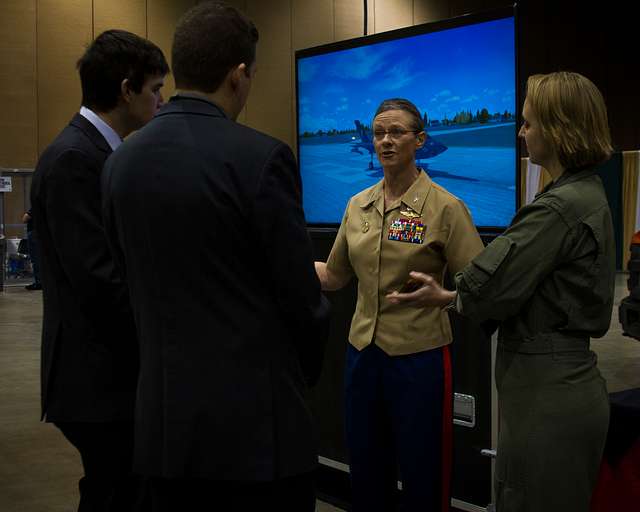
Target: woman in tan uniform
(398,374)
(549,281)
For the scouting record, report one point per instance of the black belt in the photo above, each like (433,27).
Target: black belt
(545,344)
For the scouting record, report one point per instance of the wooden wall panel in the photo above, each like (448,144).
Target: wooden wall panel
(273,21)
(426,11)
(162,17)
(128,15)
(64,29)
(18,122)
(312,23)
(392,14)
(349,19)
(371,17)
(269,108)
(460,7)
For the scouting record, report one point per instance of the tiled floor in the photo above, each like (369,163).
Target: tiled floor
(39,469)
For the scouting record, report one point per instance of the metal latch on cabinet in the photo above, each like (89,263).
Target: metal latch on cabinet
(464,410)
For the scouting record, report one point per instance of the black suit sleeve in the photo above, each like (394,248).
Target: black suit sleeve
(73,209)
(281,227)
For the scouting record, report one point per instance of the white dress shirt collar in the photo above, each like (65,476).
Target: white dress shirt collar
(112,138)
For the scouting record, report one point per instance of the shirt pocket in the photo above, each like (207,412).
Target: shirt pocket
(428,257)
(484,266)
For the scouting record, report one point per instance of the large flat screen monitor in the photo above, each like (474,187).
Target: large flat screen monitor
(460,73)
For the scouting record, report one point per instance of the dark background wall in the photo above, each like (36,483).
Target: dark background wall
(595,41)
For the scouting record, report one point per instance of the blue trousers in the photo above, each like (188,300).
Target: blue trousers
(398,427)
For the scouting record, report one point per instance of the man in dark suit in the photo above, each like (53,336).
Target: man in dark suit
(89,345)
(232,322)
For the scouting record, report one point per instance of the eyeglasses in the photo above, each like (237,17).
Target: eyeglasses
(394,133)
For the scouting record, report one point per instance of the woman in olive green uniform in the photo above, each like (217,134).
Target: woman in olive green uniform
(549,281)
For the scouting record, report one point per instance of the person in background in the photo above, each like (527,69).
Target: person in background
(34,255)
(398,369)
(231,339)
(89,347)
(549,282)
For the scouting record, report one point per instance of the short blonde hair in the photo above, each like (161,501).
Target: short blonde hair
(572,116)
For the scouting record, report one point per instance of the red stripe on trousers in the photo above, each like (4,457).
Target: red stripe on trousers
(447,429)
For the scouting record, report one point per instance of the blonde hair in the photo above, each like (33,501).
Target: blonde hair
(572,116)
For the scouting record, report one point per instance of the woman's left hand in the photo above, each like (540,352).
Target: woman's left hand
(430,293)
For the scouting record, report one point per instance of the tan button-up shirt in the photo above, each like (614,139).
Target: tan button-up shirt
(439,235)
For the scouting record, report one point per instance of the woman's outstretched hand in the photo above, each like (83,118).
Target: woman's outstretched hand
(429,293)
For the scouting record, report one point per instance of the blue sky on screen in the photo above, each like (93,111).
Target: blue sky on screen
(443,73)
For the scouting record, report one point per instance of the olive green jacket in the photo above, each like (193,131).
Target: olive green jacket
(552,270)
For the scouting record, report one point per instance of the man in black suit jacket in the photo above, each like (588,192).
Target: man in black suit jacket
(205,218)
(89,346)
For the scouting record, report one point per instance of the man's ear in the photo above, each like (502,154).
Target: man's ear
(421,137)
(125,90)
(237,73)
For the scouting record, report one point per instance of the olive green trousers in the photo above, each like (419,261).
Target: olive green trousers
(553,420)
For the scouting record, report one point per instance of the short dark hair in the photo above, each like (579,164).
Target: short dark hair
(211,38)
(113,56)
(402,104)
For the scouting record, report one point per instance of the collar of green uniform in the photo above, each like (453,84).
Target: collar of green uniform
(568,176)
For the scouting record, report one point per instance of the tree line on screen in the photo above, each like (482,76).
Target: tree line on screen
(467,117)
(482,116)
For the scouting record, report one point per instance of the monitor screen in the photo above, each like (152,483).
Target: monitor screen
(460,74)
